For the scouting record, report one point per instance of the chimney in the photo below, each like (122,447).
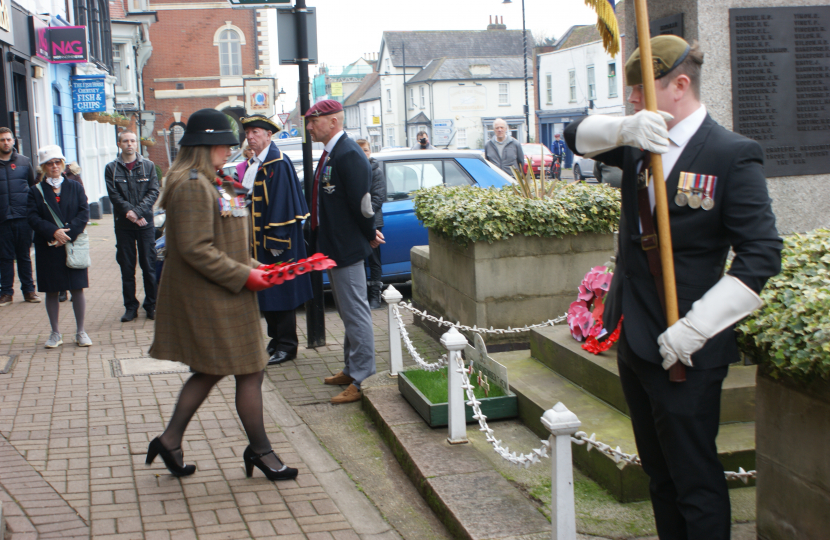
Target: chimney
(497,25)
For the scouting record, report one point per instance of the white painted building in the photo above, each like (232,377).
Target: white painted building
(362,112)
(577,79)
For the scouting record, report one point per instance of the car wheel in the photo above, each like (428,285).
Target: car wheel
(577,173)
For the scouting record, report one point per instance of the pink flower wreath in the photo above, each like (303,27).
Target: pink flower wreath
(585,314)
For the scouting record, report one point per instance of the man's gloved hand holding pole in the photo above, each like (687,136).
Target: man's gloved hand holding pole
(646,130)
(723,305)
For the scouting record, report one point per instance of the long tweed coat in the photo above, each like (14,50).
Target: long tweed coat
(205,317)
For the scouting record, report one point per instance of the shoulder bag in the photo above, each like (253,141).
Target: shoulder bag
(77,252)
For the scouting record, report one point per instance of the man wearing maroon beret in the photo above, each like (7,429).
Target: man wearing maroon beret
(342,227)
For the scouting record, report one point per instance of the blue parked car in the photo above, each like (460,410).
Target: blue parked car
(407,171)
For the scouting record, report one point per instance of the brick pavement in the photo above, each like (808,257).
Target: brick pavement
(73,436)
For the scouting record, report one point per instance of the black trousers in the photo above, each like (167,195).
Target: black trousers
(15,243)
(675,425)
(282,329)
(126,242)
(373,262)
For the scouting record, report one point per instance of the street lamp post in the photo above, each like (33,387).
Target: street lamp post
(281,98)
(524,64)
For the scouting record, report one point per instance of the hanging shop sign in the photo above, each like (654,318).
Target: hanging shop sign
(89,93)
(259,95)
(59,44)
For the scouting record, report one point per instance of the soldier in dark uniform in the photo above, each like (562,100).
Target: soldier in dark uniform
(717,200)
(277,211)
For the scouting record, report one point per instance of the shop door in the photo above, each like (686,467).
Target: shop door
(20,121)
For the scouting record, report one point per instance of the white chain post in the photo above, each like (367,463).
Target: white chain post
(392,297)
(561,423)
(455,342)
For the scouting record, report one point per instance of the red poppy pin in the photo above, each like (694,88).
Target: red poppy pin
(14,166)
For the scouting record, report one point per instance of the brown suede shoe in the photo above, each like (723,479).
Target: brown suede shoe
(338,379)
(5,300)
(31,297)
(347,396)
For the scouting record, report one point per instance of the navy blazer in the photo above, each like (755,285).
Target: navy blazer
(73,210)
(344,232)
(741,219)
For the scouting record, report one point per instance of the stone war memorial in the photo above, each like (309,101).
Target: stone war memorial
(766,75)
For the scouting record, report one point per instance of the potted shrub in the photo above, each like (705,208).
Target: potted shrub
(104,117)
(790,337)
(122,120)
(148,142)
(511,256)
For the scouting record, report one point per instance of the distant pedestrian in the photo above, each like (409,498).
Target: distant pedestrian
(378,192)
(16,177)
(342,227)
(242,166)
(422,142)
(67,200)
(133,188)
(207,305)
(503,150)
(73,172)
(558,149)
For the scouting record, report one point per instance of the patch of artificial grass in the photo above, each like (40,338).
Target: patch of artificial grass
(433,385)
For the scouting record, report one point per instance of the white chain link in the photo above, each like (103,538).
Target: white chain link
(411,348)
(580,437)
(521,459)
(462,327)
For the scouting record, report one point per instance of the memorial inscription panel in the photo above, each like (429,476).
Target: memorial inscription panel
(781,85)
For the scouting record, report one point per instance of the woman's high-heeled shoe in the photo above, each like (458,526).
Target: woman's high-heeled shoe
(251,458)
(158,449)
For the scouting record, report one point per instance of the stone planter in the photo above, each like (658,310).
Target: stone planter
(792,438)
(436,414)
(514,282)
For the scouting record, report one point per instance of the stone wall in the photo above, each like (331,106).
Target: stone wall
(523,280)
(792,435)
(800,203)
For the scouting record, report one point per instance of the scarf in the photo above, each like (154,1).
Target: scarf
(55,182)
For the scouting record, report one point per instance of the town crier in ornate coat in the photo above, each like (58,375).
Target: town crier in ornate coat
(277,211)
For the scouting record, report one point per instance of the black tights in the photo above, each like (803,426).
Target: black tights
(248,407)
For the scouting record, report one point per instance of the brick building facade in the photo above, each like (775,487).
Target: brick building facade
(201,52)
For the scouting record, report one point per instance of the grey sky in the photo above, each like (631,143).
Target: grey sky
(348,29)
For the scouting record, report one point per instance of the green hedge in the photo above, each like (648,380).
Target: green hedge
(792,330)
(465,215)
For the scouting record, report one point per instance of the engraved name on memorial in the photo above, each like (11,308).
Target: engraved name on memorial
(781,85)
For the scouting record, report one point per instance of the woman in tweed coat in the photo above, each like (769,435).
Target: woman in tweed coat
(206,312)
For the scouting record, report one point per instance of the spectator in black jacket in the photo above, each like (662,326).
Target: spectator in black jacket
(16,177)
(378,191)
(133,189)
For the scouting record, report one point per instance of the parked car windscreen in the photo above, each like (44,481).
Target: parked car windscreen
(405,177)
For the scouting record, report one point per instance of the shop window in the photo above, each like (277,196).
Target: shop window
(57,114)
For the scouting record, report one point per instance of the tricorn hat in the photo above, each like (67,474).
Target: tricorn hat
(324,108)
(260,121)
(208,127)
(667,53)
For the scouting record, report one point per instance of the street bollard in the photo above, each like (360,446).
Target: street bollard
(391,296)
(561,423)
(454,342)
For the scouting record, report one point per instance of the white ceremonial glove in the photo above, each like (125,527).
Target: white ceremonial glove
(276,252)
(647,130)
(723,305)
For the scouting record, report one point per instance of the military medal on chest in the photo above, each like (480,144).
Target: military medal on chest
(696,190)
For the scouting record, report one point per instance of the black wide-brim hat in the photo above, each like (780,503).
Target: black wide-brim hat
(208,127)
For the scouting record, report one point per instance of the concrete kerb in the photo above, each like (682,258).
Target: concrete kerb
(361,514)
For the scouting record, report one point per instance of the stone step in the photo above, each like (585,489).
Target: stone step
(598,374)
(539,388)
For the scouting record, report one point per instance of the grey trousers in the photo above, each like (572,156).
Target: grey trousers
(348,286)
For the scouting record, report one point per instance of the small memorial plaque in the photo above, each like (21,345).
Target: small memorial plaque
(481,361)
(781,85)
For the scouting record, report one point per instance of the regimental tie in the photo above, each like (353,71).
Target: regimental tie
(320,166)
(696,190)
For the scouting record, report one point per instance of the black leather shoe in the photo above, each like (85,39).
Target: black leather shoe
(281,356)
(151,313)
(251,459)
(158,449)
(129,315)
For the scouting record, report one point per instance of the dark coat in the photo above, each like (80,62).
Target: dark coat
(378,191)
(135,190)
(742,219)
(278,210)
(344,232)
(16,177)
(205,317)
(52,273)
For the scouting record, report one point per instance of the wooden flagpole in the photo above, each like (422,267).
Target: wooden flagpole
(677,373)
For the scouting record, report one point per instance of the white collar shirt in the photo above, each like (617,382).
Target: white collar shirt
(250,172)
(328,148)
